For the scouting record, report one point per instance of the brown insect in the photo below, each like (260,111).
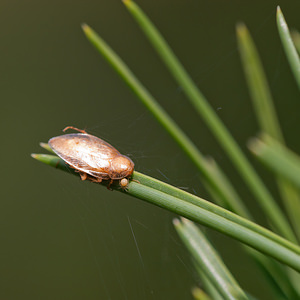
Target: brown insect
(93,158)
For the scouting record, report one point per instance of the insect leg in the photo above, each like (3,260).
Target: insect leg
(110,183)
(74,128)
(135,180)
(94,179)
(83,176)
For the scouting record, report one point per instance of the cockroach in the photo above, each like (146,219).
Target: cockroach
(93,158)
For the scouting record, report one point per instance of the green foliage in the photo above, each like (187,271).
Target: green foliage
(282,244)
(289,47)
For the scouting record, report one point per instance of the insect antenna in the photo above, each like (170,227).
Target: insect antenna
(74,128)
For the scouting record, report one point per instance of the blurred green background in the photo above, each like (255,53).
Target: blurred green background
(67,239)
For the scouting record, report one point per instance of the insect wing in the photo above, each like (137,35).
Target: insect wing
(85,153)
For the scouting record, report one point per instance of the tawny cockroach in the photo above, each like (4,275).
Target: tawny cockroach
(93,158)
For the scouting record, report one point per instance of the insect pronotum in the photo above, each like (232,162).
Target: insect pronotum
(93,158)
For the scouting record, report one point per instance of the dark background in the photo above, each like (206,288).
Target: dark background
(66,239)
